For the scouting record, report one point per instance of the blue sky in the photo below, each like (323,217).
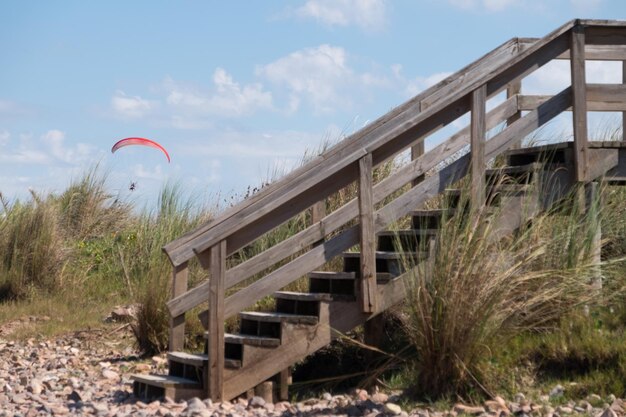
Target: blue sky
(236,91)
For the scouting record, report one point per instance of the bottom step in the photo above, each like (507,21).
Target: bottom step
(151,387)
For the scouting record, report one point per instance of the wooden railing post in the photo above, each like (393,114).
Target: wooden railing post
(416,152)
(477,143)
(624,113)
(177,324)
(368,235)
(579,101)
(215,374)
(512,90)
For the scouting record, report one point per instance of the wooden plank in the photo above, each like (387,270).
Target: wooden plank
(417,151)
(611,93)
(579,102)
(624,112)
(368,237)
(531,102)
(344,214)
(592,52)
(177,323)
(606,35)
(215,377)
(318,211)
(512,90)
(477,143)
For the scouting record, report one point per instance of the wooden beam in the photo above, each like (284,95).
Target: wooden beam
(531,102)
(368,236)
(215,377)
(512,90)
(606,35)
(177,323)
(579,101)
(478,132)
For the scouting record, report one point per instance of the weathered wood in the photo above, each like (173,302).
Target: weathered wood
(215,377)
(318,211)
(265,390)
(606,35)
(373,333)
(284,381)
(579,101)
(592,52)
(477,140)
(531,102)
(177,323)
(512,90)
(416,152)
(624,112)
(368,237)
(342,215)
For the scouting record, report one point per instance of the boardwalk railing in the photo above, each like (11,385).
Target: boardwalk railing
(353,160)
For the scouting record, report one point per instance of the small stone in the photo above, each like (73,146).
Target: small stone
(467,409)
(35,386)
(519,397)
(195,403)
(361,394)
(557,391)
(380,397)
(142,367)
(392,409)
(256,402)
(110,375)
(74,396)
(327,396)
(564,410)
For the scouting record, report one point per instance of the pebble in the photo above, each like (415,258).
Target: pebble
(392,409)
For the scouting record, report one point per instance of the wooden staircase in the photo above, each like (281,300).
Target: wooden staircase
(373,279)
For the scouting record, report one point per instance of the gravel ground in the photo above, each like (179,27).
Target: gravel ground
(88,374)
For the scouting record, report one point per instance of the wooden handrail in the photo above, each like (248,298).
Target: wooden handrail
(180,251)
(353,160)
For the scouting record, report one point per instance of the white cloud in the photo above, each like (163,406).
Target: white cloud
(227,98)
(420,83)
(367,14)
(131,107)
(314,74)
(555,76)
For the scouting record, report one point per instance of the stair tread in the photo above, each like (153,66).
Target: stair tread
(165,381)
(331,275)
(244,339)
(303,296)
(198,359)
(538,149)
(409,232)
(387,255)
(514,169)
(278,317)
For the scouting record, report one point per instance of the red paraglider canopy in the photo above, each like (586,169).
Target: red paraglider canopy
(139,141)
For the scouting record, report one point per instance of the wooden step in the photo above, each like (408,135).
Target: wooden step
(244,339)
(303,296)
(272,317)
(429,219)
(405,240)
(149,387)
(548,154)
(393,263)
(517,174)
(199,359)
(331,275)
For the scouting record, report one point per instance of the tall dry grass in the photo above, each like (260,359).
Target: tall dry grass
(478,293)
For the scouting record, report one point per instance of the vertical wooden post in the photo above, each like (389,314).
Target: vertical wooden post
(373,336)
(368,237)
(177,324)
(477,141)
(624,113)
(579,101)
(215,382)
(318,211)
(416,152)
(511,90)
(285,380)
